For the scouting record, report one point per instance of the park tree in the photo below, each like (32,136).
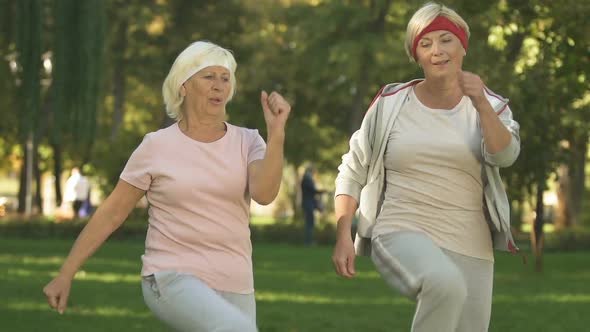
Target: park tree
(8,100)
(330,58)
(27,65)
(547,53)
(55,75)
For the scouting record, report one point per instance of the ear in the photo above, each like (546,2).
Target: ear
(182,91)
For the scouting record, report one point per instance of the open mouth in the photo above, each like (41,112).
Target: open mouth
(440,63)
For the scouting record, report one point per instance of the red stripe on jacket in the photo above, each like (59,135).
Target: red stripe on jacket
(390,94)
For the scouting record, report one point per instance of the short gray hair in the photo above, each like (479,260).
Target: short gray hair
(193,58)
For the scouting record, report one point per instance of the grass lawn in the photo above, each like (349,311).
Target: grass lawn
(296,292)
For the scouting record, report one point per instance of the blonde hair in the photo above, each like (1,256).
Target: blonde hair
(424,16)
(195,57)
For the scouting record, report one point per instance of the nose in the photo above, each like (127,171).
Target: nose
(436,48)
(218,85)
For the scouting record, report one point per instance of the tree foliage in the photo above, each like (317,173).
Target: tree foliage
(77,74)
(329,57)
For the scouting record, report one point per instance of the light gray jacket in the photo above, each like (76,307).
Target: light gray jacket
(362,174)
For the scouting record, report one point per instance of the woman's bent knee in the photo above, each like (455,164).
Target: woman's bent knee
(447,286)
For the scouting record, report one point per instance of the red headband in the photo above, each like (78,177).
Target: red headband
(441,23)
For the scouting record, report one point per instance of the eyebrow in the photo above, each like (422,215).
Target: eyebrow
(214,72)
(440,36)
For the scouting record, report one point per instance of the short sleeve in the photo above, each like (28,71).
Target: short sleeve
(137,171)
(257,146)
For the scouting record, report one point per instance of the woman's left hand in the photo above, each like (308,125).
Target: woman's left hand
(472,87)
(276,110)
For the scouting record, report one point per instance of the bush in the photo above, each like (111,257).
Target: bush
(281,232)
(40,228)
(136,227)
(292,233)
(576,238)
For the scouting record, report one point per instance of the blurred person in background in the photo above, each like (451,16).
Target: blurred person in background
(77,191)
(310,202)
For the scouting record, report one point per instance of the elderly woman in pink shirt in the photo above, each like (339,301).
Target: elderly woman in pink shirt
(198,176)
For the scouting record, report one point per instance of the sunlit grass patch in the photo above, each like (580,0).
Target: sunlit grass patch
(555,298)
(31,260)
(108,277)
(104,311)
(316,299)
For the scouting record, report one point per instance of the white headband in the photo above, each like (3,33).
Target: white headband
(205,64)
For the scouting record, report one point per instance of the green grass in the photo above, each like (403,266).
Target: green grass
(296,292)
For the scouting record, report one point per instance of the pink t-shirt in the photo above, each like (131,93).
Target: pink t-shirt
(198,204)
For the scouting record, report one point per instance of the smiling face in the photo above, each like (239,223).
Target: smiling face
(440,54)
(207,91)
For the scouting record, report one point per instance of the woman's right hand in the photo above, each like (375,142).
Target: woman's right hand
(57,292)
(107,218)
(343,256)
(276,110)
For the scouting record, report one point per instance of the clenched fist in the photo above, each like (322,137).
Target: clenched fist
(276,110)
(57,292)
(472,86)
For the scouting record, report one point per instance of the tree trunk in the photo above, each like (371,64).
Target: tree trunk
(25,195)
(38,201)
(296,195)
(562,210)
(516,215)
(537,229)
(22,194)
(571,186)
(119,78)
(57,170)
(578,180)
(28,46)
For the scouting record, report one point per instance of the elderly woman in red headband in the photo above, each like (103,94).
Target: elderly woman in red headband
(423,171)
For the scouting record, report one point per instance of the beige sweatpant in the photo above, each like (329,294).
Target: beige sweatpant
(453,291)
(186,304)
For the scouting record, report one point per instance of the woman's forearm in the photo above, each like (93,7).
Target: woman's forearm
(267,182)
(98,229)
(107,218)
(344,207)
(495,135)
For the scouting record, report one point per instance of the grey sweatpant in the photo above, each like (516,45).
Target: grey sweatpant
(187,304)
(453,291)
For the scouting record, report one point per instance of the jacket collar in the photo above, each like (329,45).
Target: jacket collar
(498,102)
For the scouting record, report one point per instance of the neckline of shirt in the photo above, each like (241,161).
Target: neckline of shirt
(228,127)
(453,110)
